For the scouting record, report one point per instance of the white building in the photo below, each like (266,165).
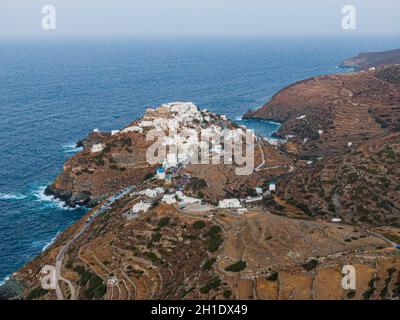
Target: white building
(255,199)
(152,193)
(146,124)
(169,199)
(272,187)
(336,220)
(185,199)
(161,174)
(114,132)
(133,129)
(97,148)
(140,207)
(229,203)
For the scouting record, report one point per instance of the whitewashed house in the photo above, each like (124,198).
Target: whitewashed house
(152,193)
(133,129)
(272,187)
(114,132)
(97,148)
(140,207)
(229,203)
(169,199)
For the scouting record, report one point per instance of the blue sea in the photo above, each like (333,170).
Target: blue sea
(54,92)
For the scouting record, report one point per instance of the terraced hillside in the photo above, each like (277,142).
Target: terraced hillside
(171,254)
(361,187)
(324,115)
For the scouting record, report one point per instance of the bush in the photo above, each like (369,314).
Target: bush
(310,265)
(215,239)
(209,263)
(156,236)
(36,293)
(96,288)
(214,243)
(227,294)
(236,267)
(351,294)
(199,224)
(272,276)
(163,222)
(214,230)
(212,284)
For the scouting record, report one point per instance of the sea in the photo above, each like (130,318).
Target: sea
(53,92)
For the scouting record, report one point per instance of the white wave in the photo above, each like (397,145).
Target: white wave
(4,280)
(50,200)
(48,244)
(43,245)
(71,148)
(11,196)
(238,118)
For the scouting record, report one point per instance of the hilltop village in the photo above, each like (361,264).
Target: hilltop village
(169,182)
(322,196)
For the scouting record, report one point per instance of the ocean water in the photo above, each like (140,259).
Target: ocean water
(54,92)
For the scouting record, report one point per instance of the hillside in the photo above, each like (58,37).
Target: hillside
(326,114)
(325,197)
(367,60)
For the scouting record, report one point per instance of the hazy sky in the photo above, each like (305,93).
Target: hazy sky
(22,18)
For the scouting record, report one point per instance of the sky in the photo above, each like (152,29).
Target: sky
(143,18)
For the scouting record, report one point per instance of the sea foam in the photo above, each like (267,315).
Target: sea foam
(71,148)
(11,196)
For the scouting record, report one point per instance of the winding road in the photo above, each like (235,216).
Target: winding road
(105,206)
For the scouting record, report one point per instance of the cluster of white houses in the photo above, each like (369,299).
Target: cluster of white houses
(180,199)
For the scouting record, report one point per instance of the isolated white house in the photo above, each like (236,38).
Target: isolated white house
(229,203)
(97,148)
(140,207)
(272,187)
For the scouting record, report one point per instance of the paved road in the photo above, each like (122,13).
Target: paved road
(60,257)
